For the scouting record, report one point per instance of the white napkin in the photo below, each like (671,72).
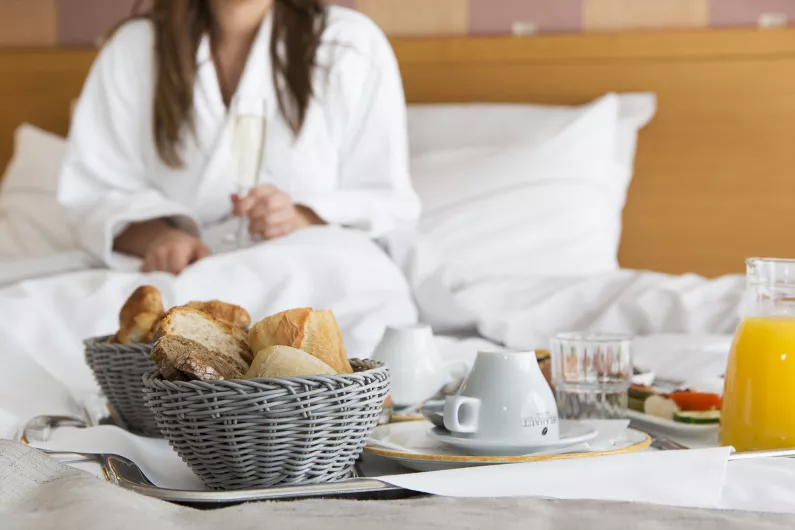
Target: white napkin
(760,485)
(28,390)
(677,478)
(155,457)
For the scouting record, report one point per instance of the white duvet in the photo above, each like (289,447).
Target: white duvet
(44,321)
(525,313)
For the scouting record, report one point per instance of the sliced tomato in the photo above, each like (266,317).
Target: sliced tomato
(696,401)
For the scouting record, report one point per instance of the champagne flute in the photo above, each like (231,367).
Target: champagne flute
(248,121)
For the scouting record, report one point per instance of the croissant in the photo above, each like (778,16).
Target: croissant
(140,316)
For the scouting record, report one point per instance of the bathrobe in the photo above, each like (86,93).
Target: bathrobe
(349,163)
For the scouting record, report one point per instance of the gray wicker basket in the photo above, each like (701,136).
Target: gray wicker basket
(267,432)
(118,369)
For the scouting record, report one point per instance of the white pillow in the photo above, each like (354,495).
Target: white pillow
(513,191)
(435,128)
(32,223)
(538,206)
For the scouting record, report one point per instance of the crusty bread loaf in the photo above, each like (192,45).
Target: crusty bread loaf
(324,340)
(139,316)
(165,356)
(315,332)
(218,337)
(140,329)
(175,355)
(284,361)
(229,313)
(145,299)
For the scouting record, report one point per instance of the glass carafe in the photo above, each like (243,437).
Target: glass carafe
(759,394)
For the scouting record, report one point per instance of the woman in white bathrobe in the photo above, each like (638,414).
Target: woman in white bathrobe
(149,164)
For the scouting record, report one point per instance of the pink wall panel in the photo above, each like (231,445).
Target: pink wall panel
(748,12)
(82,22)
(500,16)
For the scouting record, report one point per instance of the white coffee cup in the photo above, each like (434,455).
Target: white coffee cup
(417,371)
(505,398)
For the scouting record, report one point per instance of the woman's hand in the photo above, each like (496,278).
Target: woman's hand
(272,213)
(172,251)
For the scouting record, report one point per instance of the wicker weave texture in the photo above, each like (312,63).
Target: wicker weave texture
(118,369)
(267,432)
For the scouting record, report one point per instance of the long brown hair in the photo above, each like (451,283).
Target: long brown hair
(179,27)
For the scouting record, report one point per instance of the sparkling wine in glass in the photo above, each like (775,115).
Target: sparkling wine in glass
(248,120)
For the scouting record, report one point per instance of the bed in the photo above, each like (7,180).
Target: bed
(711,186)
(711,182)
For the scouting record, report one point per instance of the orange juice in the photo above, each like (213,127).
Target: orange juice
(759,395)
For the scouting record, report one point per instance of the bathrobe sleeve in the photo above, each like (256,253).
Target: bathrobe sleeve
(105,179)
(374,192)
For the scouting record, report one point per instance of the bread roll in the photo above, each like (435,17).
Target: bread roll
(174,355)
(145,299)
(218,337)
(139,316)
(315,332)
(231,314)
(284,361)
(139,330)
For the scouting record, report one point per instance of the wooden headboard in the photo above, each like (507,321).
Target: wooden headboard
(715,172)
(38,87)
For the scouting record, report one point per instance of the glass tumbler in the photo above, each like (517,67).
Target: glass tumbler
(591,374)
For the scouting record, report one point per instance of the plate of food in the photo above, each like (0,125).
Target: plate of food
(684,412)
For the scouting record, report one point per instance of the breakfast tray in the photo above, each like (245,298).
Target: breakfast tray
(126,474)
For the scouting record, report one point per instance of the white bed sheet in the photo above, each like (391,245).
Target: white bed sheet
(45,320)
(17,270)
(684,323)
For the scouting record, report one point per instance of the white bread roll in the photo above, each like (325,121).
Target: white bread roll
(315,332)
(284,361)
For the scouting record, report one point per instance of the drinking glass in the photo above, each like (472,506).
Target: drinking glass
(591,374)
(248,123)
(759,391)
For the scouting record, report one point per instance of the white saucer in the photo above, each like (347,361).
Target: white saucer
(571,433)
(410,445)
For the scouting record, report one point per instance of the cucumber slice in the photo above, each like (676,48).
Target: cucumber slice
(708,417)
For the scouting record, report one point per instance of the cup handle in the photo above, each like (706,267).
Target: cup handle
(461,414)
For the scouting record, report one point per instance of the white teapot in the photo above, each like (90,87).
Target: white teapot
(417,370)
